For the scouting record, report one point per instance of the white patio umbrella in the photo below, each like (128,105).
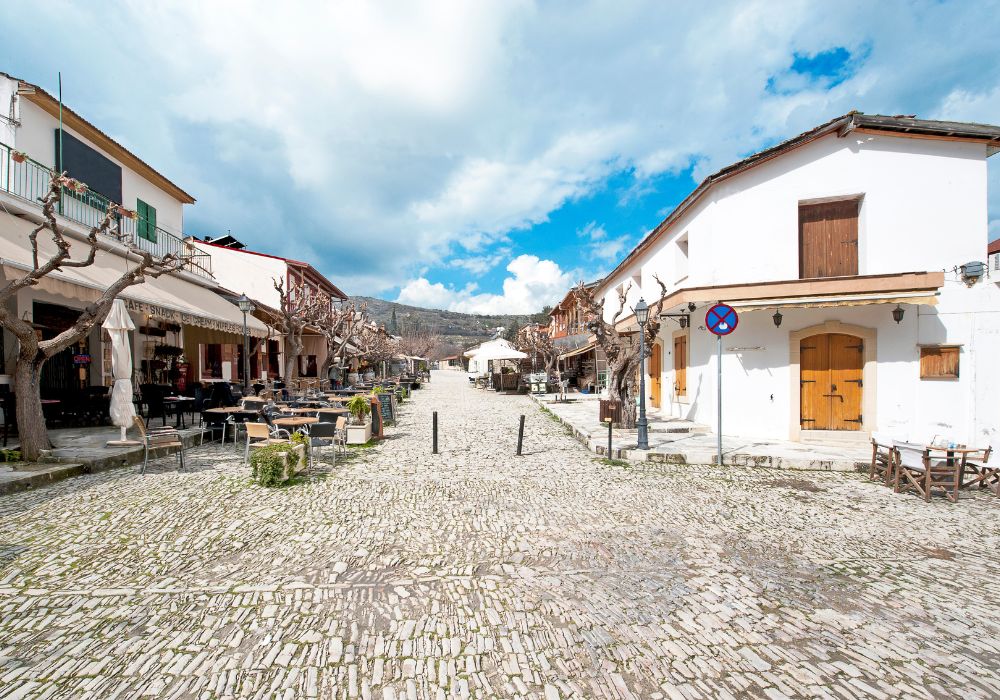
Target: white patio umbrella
(118,324)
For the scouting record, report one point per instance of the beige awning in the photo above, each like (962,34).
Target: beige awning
(579,351)
(168,297)
(842,300)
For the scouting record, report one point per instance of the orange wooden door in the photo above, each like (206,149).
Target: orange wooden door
(828,239)
(830,372)
(655,375)
(680,365)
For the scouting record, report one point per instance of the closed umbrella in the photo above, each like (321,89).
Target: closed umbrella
(122,411)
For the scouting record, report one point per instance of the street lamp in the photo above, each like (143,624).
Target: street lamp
(246,306)
(642,315)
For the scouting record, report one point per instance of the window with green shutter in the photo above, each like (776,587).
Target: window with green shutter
(145,227)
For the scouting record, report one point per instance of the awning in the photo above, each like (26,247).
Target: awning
(842,300)
(579,351)
(167,297)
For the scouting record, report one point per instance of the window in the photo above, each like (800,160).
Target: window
(212,362)
(939,362)
(681,258)
(828,239)
(145,227)
(307,366)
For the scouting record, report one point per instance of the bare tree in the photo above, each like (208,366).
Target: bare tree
(536,342)
(32,352)
(621,348)
(339,325)
(297,305)
(418,343)
(375,345)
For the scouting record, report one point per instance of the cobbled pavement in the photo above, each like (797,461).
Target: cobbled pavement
(475,573)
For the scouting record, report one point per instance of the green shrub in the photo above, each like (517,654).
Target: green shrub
(267,464)
(10,455)
(301,439)
(360,407)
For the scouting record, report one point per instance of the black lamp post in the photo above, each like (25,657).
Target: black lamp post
(642,315)
(246,306)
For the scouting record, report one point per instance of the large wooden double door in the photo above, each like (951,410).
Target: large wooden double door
(831,366)
(656,375)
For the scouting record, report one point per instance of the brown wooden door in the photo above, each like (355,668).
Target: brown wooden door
(680,365)
(828,239)
(831,367)
(655,375)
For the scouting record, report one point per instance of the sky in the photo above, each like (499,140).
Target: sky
(483,156)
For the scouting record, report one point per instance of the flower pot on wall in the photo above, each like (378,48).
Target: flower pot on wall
(359,434)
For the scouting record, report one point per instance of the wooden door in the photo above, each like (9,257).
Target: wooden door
(828,239)
(656,375)
(831,367)
(680,365)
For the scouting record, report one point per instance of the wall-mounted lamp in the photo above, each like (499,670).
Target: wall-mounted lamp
(683,321)
(777,319)
(692,306)
(897,313)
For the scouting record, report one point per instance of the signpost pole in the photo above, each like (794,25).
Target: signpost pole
(718,399)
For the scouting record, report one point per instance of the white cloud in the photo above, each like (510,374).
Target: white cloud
(480,264)
(387,136)
(533,284)
(600,246)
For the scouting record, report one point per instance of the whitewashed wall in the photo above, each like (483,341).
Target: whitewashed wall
(246,273)
(36,137)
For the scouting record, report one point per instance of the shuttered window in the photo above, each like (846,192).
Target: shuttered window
(828,239)
(145,227)
(939,362)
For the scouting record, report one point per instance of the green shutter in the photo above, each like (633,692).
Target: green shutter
(146,225)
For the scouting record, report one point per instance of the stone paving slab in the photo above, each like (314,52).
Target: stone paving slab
(678,441)
(473,573)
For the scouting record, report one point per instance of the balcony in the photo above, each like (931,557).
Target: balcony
(28,180)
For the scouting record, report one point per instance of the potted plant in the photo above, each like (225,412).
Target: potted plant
(359,431)
(18,156)
(273,464)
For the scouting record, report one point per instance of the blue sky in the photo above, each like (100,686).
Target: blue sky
(484,156)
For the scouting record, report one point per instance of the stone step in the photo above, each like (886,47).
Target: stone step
(845,438)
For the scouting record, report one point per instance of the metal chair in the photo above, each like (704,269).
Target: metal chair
(322,435)
(154,438)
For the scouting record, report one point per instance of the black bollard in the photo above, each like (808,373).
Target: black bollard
(610,423)
(435,446)
(520,436)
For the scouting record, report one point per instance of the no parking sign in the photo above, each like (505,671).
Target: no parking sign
(720,320)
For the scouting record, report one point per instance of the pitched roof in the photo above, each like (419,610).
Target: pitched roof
(898,125)
(307,269)
(50,104)
(993,247)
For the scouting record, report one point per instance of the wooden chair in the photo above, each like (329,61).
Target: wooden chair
(340,438)
(259,435)
(915,469)
(154,438)
(881,466)
(982,475)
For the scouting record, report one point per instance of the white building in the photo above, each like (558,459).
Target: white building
(254,274)
(179,311)
(817,242)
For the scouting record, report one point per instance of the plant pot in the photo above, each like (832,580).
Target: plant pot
(18,157)
(359,434)
(294,462)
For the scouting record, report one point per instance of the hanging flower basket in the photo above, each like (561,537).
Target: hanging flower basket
(18,156)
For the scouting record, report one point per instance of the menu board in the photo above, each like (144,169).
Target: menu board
(386,402)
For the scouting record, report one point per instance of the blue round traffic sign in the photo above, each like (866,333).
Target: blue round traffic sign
(721,319)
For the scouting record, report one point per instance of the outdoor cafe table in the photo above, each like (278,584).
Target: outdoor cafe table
(295,421)
(334,411)
(178,403)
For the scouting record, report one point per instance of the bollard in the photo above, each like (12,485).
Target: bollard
(610,423)
(435,444)
(520,435)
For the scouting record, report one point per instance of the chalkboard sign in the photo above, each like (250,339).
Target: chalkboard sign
(387,413)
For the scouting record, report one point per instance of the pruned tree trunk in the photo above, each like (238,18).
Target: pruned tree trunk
(31,430)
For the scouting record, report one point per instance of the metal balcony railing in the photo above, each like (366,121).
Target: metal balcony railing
(28,180)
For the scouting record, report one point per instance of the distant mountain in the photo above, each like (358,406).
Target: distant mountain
(455,328)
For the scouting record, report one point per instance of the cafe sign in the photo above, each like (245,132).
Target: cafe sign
(182,317)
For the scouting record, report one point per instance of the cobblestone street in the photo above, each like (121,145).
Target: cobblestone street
(475,573)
